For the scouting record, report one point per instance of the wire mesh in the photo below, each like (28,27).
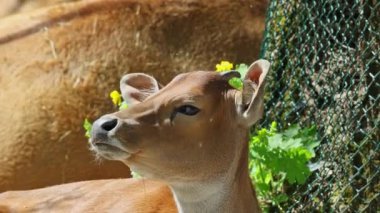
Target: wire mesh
(325,59)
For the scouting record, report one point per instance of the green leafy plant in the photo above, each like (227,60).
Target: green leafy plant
(242,69)
(279,158)
(237,83)
(88,127)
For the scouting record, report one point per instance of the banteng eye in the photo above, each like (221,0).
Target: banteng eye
(187,110)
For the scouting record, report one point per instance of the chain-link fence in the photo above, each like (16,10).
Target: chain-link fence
(325,71)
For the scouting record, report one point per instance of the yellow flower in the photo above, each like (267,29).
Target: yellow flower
(224,66)
(116,97)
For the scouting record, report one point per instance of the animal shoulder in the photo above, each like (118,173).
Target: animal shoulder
(115,195)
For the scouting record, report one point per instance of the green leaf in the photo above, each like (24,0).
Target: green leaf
(135,175)
(88,127)
(236,83)
(280,198)
(291,143)
(268,178)
(275,141)
(273,127)
(310,140)
(292,131)
(123,105)
(295,165)
(262,188)
(242,69)
(276,157)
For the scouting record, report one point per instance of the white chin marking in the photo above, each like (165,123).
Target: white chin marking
(110,152)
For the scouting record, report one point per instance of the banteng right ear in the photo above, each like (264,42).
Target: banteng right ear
(252,101)
(136,87)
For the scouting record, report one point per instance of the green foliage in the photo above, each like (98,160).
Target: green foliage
(123,105)
(242,69)
(236,83)
(135,175)
(279,158)
(88,127)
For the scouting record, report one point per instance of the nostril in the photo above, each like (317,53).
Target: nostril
(109,125)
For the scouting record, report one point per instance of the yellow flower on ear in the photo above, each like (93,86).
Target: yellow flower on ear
(116,97)
(224,66)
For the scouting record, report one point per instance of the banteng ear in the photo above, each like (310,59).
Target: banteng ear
(136,87)
(252,97)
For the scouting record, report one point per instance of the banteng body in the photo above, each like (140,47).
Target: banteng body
(191,136)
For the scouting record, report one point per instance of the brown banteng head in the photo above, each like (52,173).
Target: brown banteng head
(193,129)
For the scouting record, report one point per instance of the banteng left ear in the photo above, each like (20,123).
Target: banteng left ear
(252,97)
(136,87)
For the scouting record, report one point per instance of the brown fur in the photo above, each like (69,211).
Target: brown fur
(114,195)
(9,7)
(59,66)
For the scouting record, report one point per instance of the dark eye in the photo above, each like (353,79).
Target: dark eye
(187,110)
